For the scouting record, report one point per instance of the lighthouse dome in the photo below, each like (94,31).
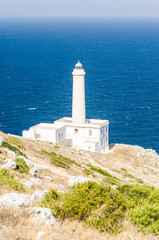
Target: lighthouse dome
(78,65)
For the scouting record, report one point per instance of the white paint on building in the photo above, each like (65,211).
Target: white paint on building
(1,140)
(87,134)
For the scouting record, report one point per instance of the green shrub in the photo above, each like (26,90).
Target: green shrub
(56,147)
(146,217)
(94,203)
(103,172)
(22,167)
(123,169)
(154,197)
(12,148)
(59,160)
(103,208)
(135,194)
(7,179)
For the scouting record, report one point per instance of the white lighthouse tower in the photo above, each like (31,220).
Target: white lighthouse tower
(78,99)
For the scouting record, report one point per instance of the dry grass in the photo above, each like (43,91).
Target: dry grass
(16,225)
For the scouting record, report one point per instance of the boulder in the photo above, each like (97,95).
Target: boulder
(40,235)
(27,183)
(34,172)
(78,179)
(9,164)
(15,199)
(43,216)
(38,196)
(36,181)
(10,153)
(49,178)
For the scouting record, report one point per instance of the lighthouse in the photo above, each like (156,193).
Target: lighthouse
(78,98)
(76,131)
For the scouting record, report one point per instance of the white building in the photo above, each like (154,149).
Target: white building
(88,134)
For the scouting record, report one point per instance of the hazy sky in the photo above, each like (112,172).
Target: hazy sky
(81,8)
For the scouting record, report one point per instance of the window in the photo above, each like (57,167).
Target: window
(59,136)
(62,135)
(76,130)
(101,131)
(37,136)
(90,132)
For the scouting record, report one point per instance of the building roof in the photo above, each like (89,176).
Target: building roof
(90,123)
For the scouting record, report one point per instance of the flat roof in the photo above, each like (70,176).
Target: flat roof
(89,122)
(48,126)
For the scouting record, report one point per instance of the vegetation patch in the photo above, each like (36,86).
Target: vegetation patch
(103,208)
(22,167)
(12,148)
(95,204)
(59,160)
(105,173)
(7,179)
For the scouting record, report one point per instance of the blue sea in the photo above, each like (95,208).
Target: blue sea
(121,60)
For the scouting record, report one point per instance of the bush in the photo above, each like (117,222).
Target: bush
(146,217)
(59,160)
(12,148)
(22,167)
(104,172)
(6,178)
(109,217)
(91,202)
(135,194)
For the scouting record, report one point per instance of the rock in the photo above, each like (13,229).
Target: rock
(39,235)
(28,162)
(36,181)
(38,196)
(10,153)
(43,216)
(156,185)
(10,164)
(27,183)
(78,179)
(62,186)
(15,199)
(34,172)
(49,178)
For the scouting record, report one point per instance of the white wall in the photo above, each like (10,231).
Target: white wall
(45,134)
(60,134)
(28,134)
(1,139)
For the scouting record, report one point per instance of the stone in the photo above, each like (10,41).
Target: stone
(9,164)
(36,181)
(34,172)
(43,216)
(78,179)
(49,178)
(39,235)
(38,196)
(15,199)
(27,183)
(10,153)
